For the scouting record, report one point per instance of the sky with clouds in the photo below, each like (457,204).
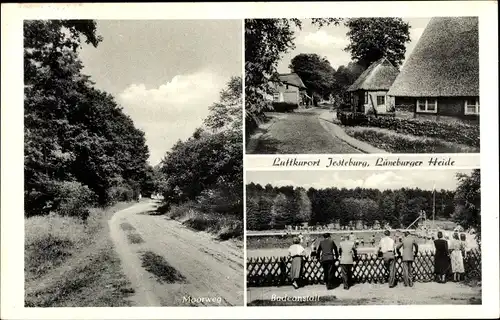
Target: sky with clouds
(377,179)
(330,42)
(165,73)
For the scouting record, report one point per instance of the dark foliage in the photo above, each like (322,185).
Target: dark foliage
(73,132)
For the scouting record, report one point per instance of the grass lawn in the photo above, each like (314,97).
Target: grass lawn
(72,264)
(299,133)
(394,142)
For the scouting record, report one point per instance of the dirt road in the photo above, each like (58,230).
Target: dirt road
(171,265)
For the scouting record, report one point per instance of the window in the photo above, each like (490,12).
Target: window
(366,97)
(472,106)
(427,105)
(380,100)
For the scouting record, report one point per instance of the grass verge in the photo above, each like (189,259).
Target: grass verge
(135,238)
(69,263)
(225,227)
(158,266)
(394,142)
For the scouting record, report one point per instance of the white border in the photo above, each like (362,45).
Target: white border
(12,149)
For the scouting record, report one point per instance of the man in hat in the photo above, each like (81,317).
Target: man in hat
(387,248)
(348,254)
(410,250)
(327,252)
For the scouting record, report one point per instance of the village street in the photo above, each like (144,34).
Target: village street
(171,265)
(299,132)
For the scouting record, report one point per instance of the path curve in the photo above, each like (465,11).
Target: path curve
(213,270)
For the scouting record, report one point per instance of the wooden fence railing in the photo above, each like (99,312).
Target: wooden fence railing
(274,271)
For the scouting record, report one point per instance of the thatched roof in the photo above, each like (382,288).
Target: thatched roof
(379,76)
(292,79)
(444,63)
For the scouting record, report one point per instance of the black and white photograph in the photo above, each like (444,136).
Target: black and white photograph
(133,163)
(364,237)
(362,85)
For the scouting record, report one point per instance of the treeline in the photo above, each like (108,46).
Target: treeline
(272,207)
(80,149)
(203,175)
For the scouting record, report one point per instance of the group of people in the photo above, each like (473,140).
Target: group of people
(449,256)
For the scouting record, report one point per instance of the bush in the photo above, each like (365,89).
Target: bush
(457,132)
(121,192)
(352,118)
(401,143)
(221,201)
(284,106)
(72,199)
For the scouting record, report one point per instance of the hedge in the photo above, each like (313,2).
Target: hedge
(457,132)
(284,106)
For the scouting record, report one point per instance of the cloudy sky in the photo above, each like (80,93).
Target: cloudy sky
(165,73)
(330,42)
(378,179)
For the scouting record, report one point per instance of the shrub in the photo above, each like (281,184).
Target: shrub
(221,201)
(122,192)
(352,118)
(457,132)
(401,143)
(71,198)
(284,106)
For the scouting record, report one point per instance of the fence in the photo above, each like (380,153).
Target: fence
(274,271)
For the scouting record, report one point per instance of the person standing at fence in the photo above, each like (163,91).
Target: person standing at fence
(348,254)
(387,248)
(410,250)
(441,258)
(327,252)
(296,252)
(457,257)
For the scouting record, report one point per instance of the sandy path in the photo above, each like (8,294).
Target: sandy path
(213,270)
(421,293)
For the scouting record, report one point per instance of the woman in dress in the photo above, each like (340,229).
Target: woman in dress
(441,258)
(457,260)
(296,251)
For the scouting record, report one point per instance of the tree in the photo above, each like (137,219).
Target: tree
(304,205)
(343,78)
(374,38)
(266,40)
(285,211)
(73,132)
(227,113)
(210,163)
(316,73)
(468,201)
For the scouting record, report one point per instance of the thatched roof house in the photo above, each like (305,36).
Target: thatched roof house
(440,79)
(292,79)
(290,89)
(369,91)
(379,76)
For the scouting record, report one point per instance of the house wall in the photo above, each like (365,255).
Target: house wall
(290,94)
(359,105)
(450,109)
